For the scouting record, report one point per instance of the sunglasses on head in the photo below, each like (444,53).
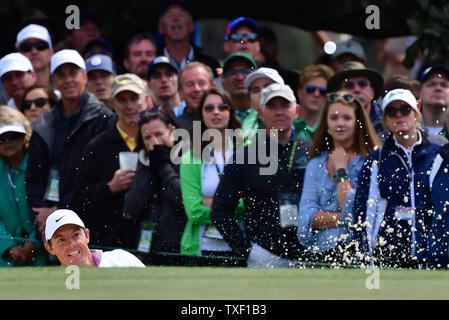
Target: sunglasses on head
(237,37)
(405,110)
(28,46)
(311,89)
(222,108)
(344,97)
(39,102)
(235,72)
(10,136)
(362,83)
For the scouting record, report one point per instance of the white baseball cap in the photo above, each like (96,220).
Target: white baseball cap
(33,31)
(12,127)
(402,95)
(276,90)
(263,73)
(59,218)
(15,62)
(66,56)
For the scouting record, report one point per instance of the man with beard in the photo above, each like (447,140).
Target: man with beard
(139,52)
(366,84)
(176,25)
(236,67)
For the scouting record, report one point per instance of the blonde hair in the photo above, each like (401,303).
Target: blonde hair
(314,71)
(9,115)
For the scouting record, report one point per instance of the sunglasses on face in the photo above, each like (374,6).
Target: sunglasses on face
(28,46)
(235,72)
(39,102)
(311,89)
(351,84)
(344,97)
(237,37)
(405,110)
(221,108)
(10,136)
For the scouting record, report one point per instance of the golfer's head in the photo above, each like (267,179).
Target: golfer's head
(67,238)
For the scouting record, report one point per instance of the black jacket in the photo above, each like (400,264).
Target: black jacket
(156,196)
(62,144)
(99,208)
(260,195)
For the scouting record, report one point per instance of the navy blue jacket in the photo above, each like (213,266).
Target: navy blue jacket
(400,242)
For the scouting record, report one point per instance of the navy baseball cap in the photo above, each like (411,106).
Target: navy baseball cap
(100,62)
(168,3)
(241,21)
(432,70)
(161,60)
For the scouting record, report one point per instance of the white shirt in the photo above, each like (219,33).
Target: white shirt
(116,259)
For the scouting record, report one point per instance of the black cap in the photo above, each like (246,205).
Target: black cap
(434,69)
(168,3)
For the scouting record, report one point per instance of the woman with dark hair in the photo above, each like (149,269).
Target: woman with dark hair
(343,139)
(36,101)
(201,170)
(19,238)
(155,195)
(389,229)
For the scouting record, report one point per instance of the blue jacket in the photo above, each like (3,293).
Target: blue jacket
(396,238)
(434,200)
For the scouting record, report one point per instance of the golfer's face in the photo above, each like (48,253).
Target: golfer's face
(70,244)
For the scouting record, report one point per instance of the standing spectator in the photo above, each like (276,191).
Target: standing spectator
(366,84)
(236,67)
(102,184)
(35,43)
(271,200)
(312,94)
(343,140)
(17,74)
(200,177)
(139,52)
(194,79)
(36,101)
(101,71)
(155,195)
(60,138)
(346,51)
(434,96)
(19,243)
(388,228)
(163,82)
(242,36)
(176,25)
(89,30)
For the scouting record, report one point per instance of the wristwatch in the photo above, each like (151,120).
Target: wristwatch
(341,175)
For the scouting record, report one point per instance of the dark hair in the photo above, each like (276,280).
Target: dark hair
(146,117)
(137,38)
(234,122)
(105,46)
(399,81)
(52,97)
(365,135)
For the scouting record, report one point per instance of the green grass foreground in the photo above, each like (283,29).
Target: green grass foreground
(191,283)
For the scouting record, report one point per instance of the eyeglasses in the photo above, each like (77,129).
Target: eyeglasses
(221,108)
(10,136)
(39,102)
(28,46)
(344,97)
(311,89)
(362,83)
(405,110)
(235,72)
(237,37)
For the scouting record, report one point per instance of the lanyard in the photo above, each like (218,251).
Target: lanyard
(292,156)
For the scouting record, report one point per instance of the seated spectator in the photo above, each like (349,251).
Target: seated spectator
(17,74)
(312,94)
(389,230)
(155,195)
(344,138)
(67,238)
(200,176)
(19,243)
(101,71)
(36,101)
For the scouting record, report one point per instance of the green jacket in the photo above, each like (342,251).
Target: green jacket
(197,214)
(15,216)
